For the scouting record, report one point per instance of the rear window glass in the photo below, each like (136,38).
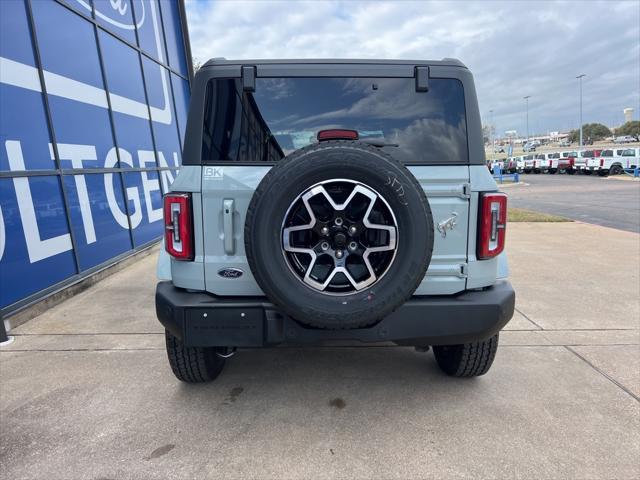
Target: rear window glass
(285,114)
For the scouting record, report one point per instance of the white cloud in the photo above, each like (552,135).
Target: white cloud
(513,48)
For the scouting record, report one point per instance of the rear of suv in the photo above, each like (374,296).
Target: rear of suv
(325,201)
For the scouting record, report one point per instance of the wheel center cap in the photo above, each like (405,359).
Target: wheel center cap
(340,240)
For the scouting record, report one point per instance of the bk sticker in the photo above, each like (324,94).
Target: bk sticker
(213,173)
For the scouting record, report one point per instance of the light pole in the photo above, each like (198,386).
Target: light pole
(579,77)
(526,99)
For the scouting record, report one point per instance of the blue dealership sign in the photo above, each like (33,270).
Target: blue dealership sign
(94,99)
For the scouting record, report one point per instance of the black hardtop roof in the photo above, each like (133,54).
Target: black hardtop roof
(451,62)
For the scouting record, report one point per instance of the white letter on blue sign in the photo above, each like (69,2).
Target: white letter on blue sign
(132,192)
(78,153)
(37,248)
(149,185)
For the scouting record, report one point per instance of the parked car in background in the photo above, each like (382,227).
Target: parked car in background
(581,159)
(624,139)
(494,164)
(529,147)
(572,158)
(561,163)
(564,143)
(514,164)
(631,157)
(541,163)
(613,161)
(529,163)
(551,162)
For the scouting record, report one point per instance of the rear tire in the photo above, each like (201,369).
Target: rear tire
(553,170)
(193,364)
(603,173)
(570,171)
(468,359)
(615,170)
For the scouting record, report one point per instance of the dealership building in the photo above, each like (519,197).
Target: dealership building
(93,105)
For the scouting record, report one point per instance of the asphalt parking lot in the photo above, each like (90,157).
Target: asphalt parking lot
(609,202)
(86,391)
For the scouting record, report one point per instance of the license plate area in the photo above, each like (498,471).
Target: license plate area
(224,327)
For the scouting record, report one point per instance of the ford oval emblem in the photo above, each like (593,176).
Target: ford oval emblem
(120,15)
(230,273)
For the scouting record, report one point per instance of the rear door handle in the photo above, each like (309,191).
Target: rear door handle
(227,226)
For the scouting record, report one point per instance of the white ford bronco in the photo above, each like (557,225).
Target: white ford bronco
(325,201)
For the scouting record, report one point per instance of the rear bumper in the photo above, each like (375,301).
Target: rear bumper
(204,320)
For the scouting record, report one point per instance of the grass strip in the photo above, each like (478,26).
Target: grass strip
(522,215)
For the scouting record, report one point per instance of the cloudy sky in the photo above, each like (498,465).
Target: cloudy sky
(513,48)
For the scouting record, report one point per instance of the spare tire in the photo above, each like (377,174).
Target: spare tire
(339,234)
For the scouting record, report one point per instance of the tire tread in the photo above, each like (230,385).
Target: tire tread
(468,359)
(192,364)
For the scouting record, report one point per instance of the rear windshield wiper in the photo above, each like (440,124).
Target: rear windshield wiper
(377,142)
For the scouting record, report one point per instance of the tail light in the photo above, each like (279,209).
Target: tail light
(572,161)
(602,162)
(492,225)
(178,226)
(337,134)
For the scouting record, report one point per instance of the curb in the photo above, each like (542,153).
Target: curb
(624,178)
(501,185)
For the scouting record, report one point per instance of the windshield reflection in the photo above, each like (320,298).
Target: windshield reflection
(285,114)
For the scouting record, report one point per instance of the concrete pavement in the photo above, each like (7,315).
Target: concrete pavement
(86,391)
